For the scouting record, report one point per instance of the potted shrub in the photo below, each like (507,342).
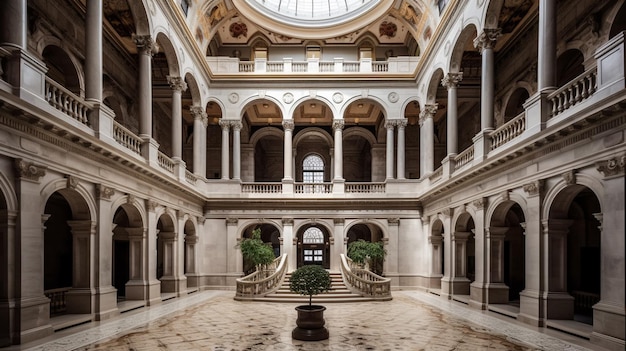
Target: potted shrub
(255,252)
(310,280)
(365,253)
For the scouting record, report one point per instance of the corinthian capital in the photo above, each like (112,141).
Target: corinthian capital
(338,124)
(29,170)
(198,113)
(145,44)
(288,124)
(487,39)
(452,80)
(177,83)
(428,111)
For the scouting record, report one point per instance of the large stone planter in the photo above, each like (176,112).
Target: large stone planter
(310,323)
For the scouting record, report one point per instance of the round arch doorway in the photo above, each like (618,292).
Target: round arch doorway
(313,246)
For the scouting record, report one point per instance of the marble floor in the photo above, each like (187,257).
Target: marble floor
(212,320)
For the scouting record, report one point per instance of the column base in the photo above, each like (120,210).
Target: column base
(497,293)
(559,305)
(434,281)
(531,308)
(80,301)
(609,326)
(149,291)
(34,319)
(478,296)
(106,303)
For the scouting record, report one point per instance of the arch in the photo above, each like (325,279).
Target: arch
(133,207)
(62,66)
(361,132)
(266,131)
(461,43)
(291,112)
(569,65)
(514,102)
(381,225)
(251,100)
(313,131)
(433,85)
(168,49)
(617,17)
(555,199)
(370,98)
(244,225)
(314,252)
(140,16)
(7,192)
(81,202)
(193,88)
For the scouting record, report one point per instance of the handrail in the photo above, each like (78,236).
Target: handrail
(508,131)
(575,91)
(67,102)
(127,138)
(364,282)
(263,281)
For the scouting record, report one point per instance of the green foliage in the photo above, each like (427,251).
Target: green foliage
(310,280)
(255,251)
(362,252)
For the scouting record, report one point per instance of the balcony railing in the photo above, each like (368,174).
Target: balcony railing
(577,90)
(126,138)
(464,158)
(314,188)
(66,102)
(58,302)
(365,188)
(508,131)
(261,188)
(165,162)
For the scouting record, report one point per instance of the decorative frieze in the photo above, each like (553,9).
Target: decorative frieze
(104,192)
(29,170)
(612,167)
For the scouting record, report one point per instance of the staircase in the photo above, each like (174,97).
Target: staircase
(338,293)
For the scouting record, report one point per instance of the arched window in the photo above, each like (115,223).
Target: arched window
(313,169)
(313,235)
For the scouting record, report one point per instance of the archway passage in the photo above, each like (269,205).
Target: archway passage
(57,253)
(270,235)
(313,246)
(371,233)
(127,230)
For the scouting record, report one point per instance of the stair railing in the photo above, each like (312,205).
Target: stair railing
(263,281)
(364,282)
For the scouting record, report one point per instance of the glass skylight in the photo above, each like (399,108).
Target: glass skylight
(313,13)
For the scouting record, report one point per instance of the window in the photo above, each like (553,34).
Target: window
(313,169)
(313,52)
(313,235)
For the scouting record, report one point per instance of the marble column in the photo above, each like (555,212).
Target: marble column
(288,126)
(145,47)
(478,293)
(427,135)
(390,126)
(13,21)
(451,82)
(93,51)
(80,298)
(338,132)
(338,246)
(106,294)
(546,65)
(485,42)
(236,126)
(200,123)
(287,244)
(178,86)
(400,171)
(225,149)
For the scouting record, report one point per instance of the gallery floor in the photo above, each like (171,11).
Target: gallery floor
(212,320)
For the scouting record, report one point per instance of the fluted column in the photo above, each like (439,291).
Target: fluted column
(178,85)
(546,65)
(427,135)
(401,149)
(451,82)
(145,45)
(225,150)
(236,125)
(288,126)
(200,122)
(390,125)
(93,51)
(485,42)
(338,129)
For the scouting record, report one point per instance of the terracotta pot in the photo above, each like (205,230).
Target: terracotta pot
(310,323)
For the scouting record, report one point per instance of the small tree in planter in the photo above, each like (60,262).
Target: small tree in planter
(310,280)
(255,251)
(364,252)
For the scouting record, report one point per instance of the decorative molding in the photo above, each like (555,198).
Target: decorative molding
(72,182)
(390,124)
(29,170)
(288,98)
(505,196)
(393,97)
(487,39)
(427,112)
(534,188)
(233,98)
(130,199)
(152,205)
(448,212)
(288,124)
(104,192)
(338,124)
(612,167)
(337,98)
(232,221)
(395,221)
(287,221)
(480,204)
(236,125)
(569,177)
(145,44)
(225,124)
(339,221)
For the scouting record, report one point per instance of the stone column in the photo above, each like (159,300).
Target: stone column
(153,288)
(32,306)
(200,123)
(168,279)
(338,246)
(400,171)
(608,314)
(558,302)
(447,287)
(106,294)
(225,150)
(485,42)
(288,126)
(427,135)
(236,125)
(13,21)
(478,293)
(287,244)
(390,126)
(190,262)
(145,47)
(137,276)
(497,291)
(390,266)
(9,309)
(80,298)
(459,263)
(93,51)
(178,86)
(436,245)
(234,259)
(451,82)
(338,129)
(546,66)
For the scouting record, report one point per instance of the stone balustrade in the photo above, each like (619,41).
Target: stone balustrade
(364,282)
(265,280)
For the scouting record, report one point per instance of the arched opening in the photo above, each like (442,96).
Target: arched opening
(569,65)
(313,246)
(357,158)
(438,262)
(189,255)
(413,140)
(165,254)
(464,254)
(58,272)
(213,161)
(575,254)
(313,173)
(268,158)
(515,105)
(619,23)
(371,233)
(126,228)
(61,68)
(270,235)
